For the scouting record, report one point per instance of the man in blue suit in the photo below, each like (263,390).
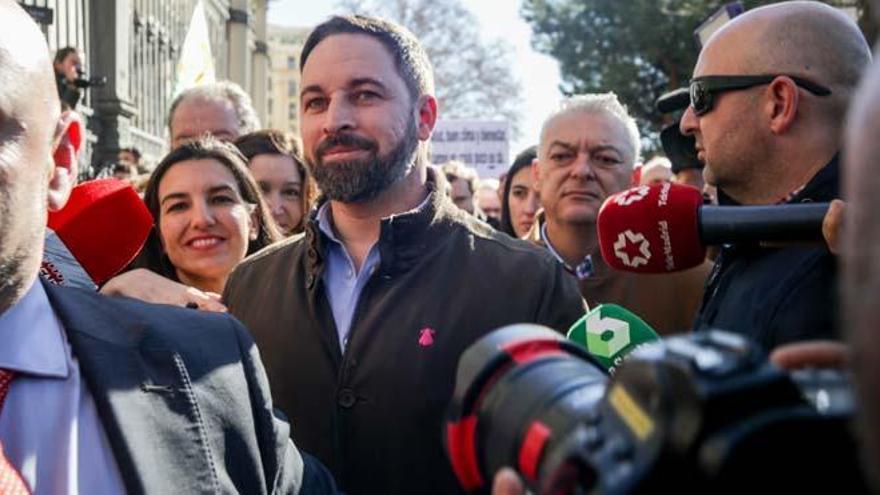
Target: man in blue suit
(101,395)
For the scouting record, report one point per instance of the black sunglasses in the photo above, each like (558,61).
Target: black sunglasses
(703,89)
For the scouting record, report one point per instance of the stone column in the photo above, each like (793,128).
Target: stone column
(260,76)
(240,43)
(109,56)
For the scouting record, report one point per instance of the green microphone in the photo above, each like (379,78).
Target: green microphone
(610,333)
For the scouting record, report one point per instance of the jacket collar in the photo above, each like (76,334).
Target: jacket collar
(823,187)
(403,238)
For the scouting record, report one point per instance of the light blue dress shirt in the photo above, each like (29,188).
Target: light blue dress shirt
(342,283)
(49,427)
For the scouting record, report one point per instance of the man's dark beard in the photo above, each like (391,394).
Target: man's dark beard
(358,181)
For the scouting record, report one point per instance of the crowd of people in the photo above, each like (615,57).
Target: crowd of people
(348,273)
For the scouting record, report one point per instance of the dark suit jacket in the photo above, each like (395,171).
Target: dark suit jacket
(183,398)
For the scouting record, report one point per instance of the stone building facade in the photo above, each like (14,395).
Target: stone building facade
(136,45)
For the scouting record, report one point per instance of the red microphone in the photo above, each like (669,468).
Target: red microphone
(664,228)
(651,229)
(101,229)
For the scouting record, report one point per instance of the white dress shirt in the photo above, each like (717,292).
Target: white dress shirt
(49,427)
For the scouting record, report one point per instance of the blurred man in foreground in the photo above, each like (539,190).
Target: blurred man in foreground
(860,288)
(113,396)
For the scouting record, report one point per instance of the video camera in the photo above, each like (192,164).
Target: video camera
(70,91)
(83,81)
(702,413)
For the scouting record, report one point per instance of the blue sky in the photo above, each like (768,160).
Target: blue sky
(538,73)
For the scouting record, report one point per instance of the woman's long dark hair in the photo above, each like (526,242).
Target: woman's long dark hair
(524,159)
(153,256)
(273,142)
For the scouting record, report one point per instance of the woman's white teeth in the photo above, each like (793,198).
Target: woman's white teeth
(201,243)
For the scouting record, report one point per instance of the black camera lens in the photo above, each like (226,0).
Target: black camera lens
(519,392)
(697,413)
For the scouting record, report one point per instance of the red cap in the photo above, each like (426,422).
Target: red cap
(104,225)
(652,229)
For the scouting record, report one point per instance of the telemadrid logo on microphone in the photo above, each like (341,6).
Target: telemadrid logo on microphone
(630,238)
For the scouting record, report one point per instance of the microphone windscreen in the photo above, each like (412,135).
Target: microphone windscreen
(610,333)
(651,229)
(71,140)
(104,226)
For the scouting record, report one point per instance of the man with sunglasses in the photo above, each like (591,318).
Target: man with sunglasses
(768,101)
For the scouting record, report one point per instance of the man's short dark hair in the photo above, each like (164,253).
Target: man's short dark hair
(458,170)
(410,58)
(134,151)
(62,54)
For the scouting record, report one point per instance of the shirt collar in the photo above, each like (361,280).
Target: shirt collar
(325,222)
(404,237)
(582,270)
(31,337)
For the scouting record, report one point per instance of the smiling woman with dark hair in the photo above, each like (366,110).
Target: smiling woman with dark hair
(208,212)
(208,216)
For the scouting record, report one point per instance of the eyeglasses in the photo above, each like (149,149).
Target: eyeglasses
(703,89)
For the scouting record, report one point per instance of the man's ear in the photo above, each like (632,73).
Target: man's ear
(782,106)
(536,175)
(61,182)
(427,108)
(64,165)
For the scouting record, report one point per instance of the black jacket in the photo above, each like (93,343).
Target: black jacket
(776,295)
(373,414)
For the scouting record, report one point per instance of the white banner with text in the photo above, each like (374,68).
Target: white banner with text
(482,144)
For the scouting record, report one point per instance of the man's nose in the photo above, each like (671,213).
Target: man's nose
(689,122)
(339,116)
(582,168)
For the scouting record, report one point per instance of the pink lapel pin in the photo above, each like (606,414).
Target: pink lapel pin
(426,337)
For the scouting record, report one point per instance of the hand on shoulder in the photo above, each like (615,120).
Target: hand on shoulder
(153,288)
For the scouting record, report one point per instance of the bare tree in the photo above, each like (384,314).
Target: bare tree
(474,77)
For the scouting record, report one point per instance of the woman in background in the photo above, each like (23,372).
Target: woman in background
(519,201)
(274,160)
